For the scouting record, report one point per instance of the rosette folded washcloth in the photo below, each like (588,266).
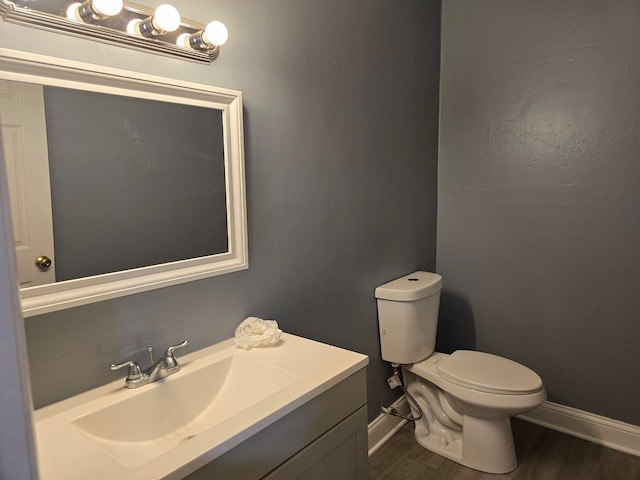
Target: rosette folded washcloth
(256,332)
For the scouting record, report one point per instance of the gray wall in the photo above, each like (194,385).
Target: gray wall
(539,198)
(341,112)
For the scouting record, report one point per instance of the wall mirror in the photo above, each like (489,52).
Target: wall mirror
(119,182)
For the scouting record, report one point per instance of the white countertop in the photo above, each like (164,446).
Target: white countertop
(67,453)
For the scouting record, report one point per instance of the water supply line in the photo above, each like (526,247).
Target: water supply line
(396,381)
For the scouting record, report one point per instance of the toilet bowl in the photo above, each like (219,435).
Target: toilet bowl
(466,398)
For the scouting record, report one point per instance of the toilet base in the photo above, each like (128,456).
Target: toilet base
(484,444)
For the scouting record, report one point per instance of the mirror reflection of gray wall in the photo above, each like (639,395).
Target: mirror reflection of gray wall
(133,182)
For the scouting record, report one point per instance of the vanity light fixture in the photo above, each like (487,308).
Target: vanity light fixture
(94,10)
(117,22)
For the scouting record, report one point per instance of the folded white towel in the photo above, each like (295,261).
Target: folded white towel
(256,332)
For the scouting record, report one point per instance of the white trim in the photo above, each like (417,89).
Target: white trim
(600,430)
(385,426)
(588,426)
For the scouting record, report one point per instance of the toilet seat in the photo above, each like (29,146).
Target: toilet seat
(488,373)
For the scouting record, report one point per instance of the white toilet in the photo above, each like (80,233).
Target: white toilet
(468,397)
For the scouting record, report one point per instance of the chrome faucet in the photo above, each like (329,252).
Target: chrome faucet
(167,365)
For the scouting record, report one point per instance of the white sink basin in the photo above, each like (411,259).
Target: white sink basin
(168,429)
(155,418)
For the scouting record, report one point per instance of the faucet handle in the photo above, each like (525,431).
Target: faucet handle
(171,349)
(134,369)
(169,358)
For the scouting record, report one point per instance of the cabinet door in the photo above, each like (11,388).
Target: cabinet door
(339,454)
(270,449)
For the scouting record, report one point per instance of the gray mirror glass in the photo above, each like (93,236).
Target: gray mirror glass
(134,182)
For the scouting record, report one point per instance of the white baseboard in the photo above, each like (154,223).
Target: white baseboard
(588,426)
(385,426)
(578,423)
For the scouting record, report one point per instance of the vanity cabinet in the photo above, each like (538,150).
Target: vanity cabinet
(325,438)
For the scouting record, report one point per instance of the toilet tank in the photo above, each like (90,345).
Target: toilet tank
(408,317)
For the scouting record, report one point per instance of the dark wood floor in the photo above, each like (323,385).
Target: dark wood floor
(543,454)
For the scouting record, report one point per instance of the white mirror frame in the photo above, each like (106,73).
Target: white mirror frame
(31,68)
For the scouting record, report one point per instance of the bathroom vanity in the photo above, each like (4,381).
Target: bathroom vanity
(324,439)
(293,411)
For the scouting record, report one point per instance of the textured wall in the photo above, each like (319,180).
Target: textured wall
(341,112)
(539,205)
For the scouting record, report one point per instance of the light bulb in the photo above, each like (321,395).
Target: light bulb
(71,11)
(132,27)
(216,33)
(108,8)
(94,10)
(166,18)
(183,40)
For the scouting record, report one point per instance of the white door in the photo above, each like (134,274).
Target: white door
(24,139)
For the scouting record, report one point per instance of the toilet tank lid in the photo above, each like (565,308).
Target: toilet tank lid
(411,287)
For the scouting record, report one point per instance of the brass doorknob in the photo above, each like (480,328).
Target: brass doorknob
(43,262)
